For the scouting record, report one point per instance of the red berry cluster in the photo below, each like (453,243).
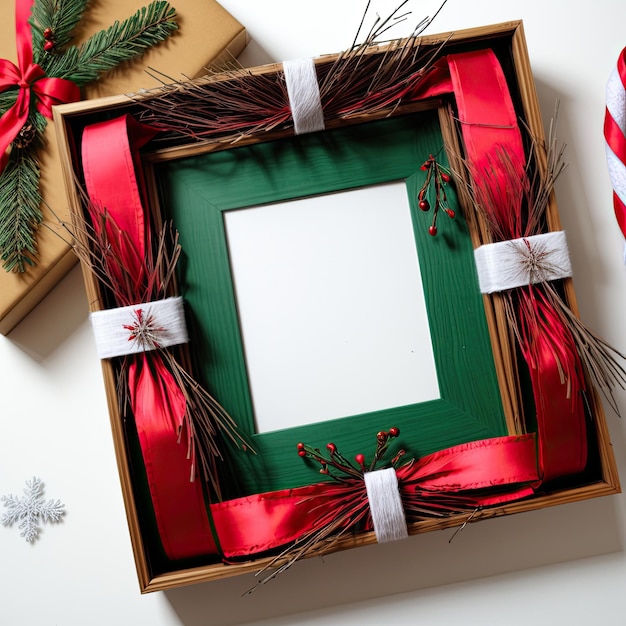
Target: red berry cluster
(437,176)
(343,468)
(49,43)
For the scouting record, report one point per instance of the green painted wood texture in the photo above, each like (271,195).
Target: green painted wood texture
(196,191)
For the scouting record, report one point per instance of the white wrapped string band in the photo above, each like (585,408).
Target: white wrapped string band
(304,95)
(385,505)
(518,262)
(140,327)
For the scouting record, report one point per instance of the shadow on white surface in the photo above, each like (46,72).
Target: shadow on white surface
(532,596)
(50,324)
(487,548)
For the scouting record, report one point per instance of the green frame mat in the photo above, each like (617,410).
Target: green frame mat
(196,191)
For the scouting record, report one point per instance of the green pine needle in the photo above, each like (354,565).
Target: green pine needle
(20,201)
(61,17)
(7,99)
(20,198)
(121,42)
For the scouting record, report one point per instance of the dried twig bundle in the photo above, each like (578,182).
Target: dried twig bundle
(513,199)
(219,108)
(127,279)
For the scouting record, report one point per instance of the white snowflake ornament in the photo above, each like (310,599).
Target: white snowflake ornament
(29,511)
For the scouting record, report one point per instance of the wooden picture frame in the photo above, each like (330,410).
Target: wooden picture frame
(485,338)
(469,398)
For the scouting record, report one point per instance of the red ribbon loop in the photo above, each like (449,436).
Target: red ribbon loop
(30,79)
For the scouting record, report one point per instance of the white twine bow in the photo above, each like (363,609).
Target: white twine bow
(385,505)
(304,95)
(139,328)
(525,261)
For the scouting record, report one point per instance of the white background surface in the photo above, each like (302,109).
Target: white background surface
(564,565)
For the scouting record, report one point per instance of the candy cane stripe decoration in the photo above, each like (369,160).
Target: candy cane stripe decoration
(615,137)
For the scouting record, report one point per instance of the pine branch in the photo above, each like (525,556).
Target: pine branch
(7,99)
(121,42)
(61,17)
(20,198)
(20,201)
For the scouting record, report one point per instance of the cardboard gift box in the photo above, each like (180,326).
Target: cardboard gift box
(207,34)
(555,446)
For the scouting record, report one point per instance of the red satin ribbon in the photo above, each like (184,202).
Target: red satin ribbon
(157,402)
(117,190)
(489,125)
(559,408)
(264,521)
(158,407)
(30,79)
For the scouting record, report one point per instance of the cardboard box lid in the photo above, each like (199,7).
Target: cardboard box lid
(206,32)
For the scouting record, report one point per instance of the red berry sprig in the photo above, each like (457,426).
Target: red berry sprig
(49,42)
(335,465)
(438,176)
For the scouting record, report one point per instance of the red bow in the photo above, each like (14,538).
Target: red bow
(30,79)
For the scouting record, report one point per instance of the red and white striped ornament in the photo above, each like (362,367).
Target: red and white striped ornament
(615,137)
